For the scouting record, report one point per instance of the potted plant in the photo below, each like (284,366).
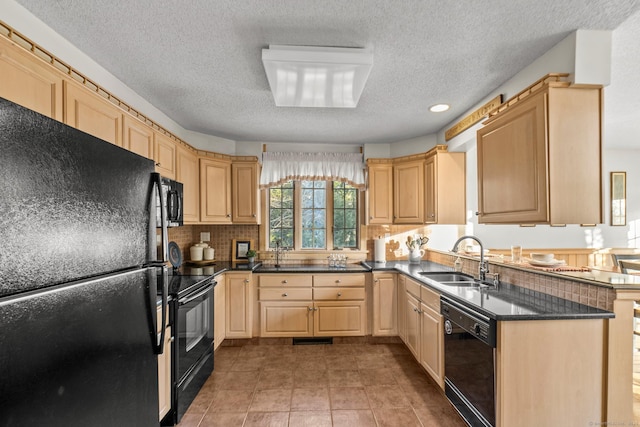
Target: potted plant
(251,255)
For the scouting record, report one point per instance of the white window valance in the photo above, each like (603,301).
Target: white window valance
(280,167)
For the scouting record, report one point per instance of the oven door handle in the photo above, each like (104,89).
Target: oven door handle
(190,298)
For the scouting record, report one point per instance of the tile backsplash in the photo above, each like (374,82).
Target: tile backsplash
(221,237)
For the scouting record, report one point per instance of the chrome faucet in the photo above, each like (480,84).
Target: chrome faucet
(484,265)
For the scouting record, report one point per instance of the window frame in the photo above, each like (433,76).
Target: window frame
(297,219)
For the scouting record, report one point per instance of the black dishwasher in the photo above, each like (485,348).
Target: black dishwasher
(469,354)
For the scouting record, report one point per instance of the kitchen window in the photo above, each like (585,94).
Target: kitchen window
(308,215)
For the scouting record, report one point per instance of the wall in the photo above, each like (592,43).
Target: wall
(221,237)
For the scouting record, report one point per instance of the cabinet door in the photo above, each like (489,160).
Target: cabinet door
(512,165)
(164,153)
(89,113)
(239,305)
(412,325)
(245,192)
(380,194)
(432,343)
(430,191)
(219,312)
(187,172)
(215,191)
(164,372)
(385,305)
(408,192)
(286,319)
(29,82)
(339,318)
(138,137)
(402,308)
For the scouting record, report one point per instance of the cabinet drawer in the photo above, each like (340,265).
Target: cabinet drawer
(337,294)
(338,280)
(430,298)
(294,280)
(284,294)
(413,288)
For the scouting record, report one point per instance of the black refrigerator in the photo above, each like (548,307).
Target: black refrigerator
(78,278)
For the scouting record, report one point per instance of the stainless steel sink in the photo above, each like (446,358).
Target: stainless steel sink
(446,276)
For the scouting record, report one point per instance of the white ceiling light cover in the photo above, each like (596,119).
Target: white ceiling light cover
(311,76)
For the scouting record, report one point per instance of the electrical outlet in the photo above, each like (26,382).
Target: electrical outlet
(205,236)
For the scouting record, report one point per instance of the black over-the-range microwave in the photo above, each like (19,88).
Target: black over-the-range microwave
(172,191)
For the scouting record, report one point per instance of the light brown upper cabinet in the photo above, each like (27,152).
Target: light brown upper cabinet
(445,194)
(90,113)
(30,82)
(215,191)
(138,137)
(164,154)
(380,191)
(408,192)
(539,159)
(245,192)
(187,172)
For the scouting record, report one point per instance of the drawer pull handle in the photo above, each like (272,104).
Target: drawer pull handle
(284,281)
(285,295)
(338,281)
(339,294)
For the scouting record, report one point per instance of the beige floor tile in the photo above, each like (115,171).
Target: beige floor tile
(348,398)
(223,419)
(202,402)
(439,416)
(248,364)
(231,401)
(349,378)
(386,396)
(246,380)
(275,379)
(340,362)
(308,362)
(253,351)
(310,379)
(371,361)
(279,362)
(353,418)
(271,400)
(339,350)
(310,419)
(396,417)
(381,376)
(308,399)
(267,419)
(309,349)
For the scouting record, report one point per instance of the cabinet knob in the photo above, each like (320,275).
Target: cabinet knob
(228,215)
(338,281)
(477,213)
(370,217)
(432,215)
(246,280)
(315,308)
(284,281)
(415,309)
(310,308)
(339,294)
(376,280)
(158,164)
(285,295)
(254,215)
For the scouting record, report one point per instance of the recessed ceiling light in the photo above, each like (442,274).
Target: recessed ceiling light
(439,108)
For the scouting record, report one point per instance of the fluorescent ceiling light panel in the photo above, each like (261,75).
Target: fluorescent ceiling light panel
(311,76)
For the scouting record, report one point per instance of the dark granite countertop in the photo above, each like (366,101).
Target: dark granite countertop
(508,302)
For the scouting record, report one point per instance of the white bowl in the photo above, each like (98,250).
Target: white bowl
(542,257)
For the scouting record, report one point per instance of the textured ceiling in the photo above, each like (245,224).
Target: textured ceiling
(200,61)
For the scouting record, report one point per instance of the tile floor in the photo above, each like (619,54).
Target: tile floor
(319,385)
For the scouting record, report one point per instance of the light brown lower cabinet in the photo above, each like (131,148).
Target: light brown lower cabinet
(385,305)
(164,369)
(412,325)
(304,306)
(432,343)
(239,305)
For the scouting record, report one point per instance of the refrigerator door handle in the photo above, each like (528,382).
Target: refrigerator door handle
(163,216)
(159,347)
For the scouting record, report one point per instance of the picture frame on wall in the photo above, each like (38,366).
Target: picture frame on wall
(239,249)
